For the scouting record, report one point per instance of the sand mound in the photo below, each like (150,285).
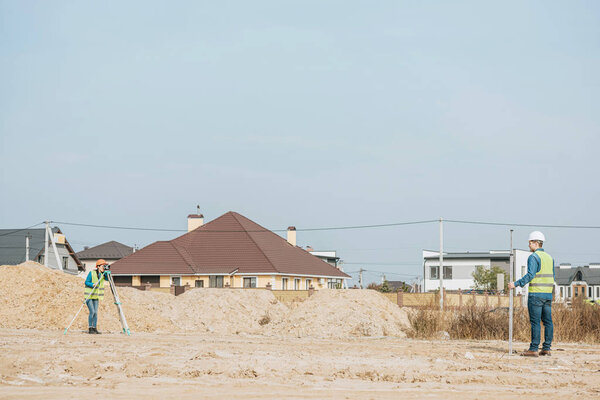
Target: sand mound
(344,313)
(32,296)
(225,310)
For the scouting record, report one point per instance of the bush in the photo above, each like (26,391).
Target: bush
(578,323)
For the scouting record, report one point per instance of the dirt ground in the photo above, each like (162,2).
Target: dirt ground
(38,364)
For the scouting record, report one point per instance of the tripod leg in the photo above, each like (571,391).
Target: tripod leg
(118,304)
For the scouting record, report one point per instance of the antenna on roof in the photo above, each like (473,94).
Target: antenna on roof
(198,209)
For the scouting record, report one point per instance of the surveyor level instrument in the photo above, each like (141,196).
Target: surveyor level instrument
(113,289)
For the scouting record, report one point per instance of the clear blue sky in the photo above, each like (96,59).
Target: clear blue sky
(305,113)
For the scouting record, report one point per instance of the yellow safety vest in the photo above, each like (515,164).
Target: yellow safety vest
(98,293)
(543,281)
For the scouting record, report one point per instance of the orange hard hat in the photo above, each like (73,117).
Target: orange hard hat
(100,262)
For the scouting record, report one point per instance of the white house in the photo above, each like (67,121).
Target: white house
(459,267)
(574,282)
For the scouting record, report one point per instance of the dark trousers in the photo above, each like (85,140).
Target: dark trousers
(540,309)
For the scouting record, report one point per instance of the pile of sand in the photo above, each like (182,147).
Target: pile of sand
(343,313)
(32,296)
(225,310)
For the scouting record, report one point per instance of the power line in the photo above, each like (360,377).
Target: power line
(384,263)
(20,230)
(369,226)
(525,225)
(256,230)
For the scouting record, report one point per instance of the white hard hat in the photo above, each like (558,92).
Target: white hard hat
(537,235)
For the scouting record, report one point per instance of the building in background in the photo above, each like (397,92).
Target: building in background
(13,249)
(230,251)
(577,282)
(109,251)
(459,267)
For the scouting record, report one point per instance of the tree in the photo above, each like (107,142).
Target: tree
(485,278)
(385,288)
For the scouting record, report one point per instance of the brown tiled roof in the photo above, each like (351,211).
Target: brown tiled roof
(228,243)
(110,250)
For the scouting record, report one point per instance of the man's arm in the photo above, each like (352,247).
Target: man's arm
(533,267)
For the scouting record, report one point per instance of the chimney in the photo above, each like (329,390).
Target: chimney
(195,221)
(291,235)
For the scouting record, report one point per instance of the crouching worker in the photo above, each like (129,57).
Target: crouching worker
(94,292)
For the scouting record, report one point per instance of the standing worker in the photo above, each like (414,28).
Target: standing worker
(540,276)
(96,279)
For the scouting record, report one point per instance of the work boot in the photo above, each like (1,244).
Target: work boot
(96,331)
(530,353)
(545,353)
(91,330)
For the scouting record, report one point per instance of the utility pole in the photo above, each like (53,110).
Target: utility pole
(441,269)
(46,246)
(360,280)
(27,246)
(510,298)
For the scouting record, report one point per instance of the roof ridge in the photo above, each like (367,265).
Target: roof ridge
(184,258)
(253,241)
(294,248)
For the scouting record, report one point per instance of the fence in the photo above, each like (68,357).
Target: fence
(452,300)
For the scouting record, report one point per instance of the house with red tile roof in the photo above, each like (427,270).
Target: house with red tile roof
(230,251)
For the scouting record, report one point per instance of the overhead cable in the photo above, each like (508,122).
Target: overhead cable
(525,225)
(20,230)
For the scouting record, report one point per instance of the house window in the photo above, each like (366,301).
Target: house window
(334,283)
(569,292)
(597,291)
(154,280)
(436,269)
(176,280)
(447,272)
(199,282)
(561,292)
(590,294)
(308,283)
(65,262)
(296,283)
(215,281)
(121,280)
(250,282)
(433,273)
(284,283)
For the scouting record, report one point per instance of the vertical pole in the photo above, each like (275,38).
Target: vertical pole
(360,281)
(441,269)
(27,247)
(58,263)
(510,297)
(46,246)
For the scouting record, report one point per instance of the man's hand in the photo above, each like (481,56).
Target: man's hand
(511,285)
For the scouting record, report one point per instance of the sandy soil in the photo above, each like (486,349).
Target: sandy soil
(35,297)
(46,364)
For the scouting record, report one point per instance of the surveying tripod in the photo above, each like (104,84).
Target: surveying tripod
(113,289)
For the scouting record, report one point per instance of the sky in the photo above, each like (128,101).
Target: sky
(306,113)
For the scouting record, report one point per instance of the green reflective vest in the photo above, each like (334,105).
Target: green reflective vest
(543,281)
(98,292)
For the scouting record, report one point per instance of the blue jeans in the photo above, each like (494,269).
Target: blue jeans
(93,317)
(540,309)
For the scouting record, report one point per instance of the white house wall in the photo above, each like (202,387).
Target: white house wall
(62,252)
(462,271)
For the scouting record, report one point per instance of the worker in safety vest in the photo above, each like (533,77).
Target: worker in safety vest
(94,291)
(540,277)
